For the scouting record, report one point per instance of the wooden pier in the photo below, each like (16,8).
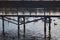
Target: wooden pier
(22,4)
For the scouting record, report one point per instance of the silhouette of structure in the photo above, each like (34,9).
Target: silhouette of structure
(21,6)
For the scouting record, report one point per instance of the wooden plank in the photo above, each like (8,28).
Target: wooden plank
(31,15)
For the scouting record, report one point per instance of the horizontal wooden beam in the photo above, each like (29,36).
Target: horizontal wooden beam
(35,20)
(29,4)
(31,15)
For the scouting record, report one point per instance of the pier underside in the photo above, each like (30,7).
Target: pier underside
(22,9)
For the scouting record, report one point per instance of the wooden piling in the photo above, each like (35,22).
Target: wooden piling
(45,28)
(24,27)
(49,28)
(3,27)
(44,24)
(18,29)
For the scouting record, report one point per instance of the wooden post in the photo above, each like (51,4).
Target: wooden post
(49,28)
(24,28)
(18,29)
(44,24)
(45,28)
(3,27)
